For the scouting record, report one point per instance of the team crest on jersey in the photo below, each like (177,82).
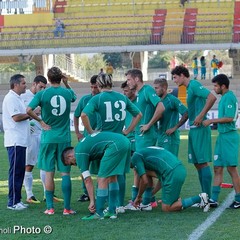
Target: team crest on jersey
(229,106)
(201,87)
(215,157)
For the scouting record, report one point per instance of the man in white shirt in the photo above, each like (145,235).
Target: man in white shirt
(39,83)
(16,137)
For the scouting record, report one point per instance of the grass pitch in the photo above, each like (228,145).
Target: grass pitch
(32,223)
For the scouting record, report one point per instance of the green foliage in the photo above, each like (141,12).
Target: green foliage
(114,58)
(18,67)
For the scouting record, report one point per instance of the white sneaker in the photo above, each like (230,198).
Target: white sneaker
(147,207)
(24,204)
(120,209)
(128,206)
(16,207)
(204,202)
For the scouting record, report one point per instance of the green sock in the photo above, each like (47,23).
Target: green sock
(153,199)
(102,195)
(122,188)
(215,193)
(134,192)
(200,177)
(206,180)
(237,197)
(49,198)
(188,202)
(113,188)
(147,196)
(67,190)
(84,188)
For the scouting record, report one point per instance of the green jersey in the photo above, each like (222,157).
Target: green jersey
(228,107)
(170,117)
(146,101)
(196,99)
(100,144)
(55,103)
(112,108)
(94,118)
(156,159)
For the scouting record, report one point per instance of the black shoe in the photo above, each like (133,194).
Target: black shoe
(235,205)
(213,204)
(84,198)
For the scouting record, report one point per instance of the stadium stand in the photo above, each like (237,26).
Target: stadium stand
(236,23)
(115,22)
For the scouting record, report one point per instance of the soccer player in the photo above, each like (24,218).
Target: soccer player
(112,151)
(199,101)
(55,103)
(152,108)
(112,108)
(161,164)
(94,122)
(39,83)
(227,144)
(16,136)
(168,133)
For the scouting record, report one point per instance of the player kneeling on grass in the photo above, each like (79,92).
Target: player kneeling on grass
(112,150)
(159,163)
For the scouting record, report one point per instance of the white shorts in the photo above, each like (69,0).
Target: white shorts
(33,149)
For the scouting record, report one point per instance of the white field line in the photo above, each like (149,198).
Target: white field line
(197,233)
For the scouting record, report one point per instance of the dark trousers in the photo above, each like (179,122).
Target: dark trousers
(17,161)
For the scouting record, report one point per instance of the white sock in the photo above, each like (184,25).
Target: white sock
(28,180)
(43,177)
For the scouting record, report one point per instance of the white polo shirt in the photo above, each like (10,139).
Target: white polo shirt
(15,133)
(27,98)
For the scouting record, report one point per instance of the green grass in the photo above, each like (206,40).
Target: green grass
(131,225)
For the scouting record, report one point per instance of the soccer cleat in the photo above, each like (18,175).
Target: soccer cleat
(226,185)
(213,204)
(196,205)
(84,198)
(147,207)
(16,207)
(154,204)
(120,210)
(204,204)
(110,215)
(49,211)
(32,199)
(68,212)
(128,206)
(94,216)
(235,205)
(55,199)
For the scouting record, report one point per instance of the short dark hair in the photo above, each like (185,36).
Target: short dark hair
(135,73)
(161,81)
(15,79)
(221,79)
(178,70)
(40,78)
(64,153)
(93,79)
(55,75)
(124,84)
